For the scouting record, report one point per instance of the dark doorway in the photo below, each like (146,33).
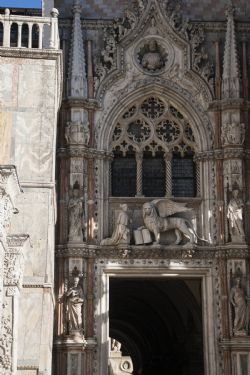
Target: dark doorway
(159,324)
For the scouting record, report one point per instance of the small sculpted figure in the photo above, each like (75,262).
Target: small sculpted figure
(121,233)
(115,345)
(235,217)
(76,216)
(74,302)
(241,314)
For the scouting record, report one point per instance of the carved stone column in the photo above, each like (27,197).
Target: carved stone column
(168,166)
(139,161)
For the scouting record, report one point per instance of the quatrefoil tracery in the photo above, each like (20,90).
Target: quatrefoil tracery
(153,124)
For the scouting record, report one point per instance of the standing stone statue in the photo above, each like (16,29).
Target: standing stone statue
(235,217)
(121,233)
(76,215)
(241,315)
(74,302)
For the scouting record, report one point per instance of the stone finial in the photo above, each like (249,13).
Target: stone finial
(231,77)
(77,83)
(54,13)
(230,10)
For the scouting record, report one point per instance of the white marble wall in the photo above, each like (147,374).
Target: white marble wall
(29,101)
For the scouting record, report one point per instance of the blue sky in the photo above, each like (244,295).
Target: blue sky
(21,3)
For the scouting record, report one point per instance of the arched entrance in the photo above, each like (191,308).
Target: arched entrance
(159,324)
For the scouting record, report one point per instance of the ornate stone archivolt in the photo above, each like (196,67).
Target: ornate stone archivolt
(116,100)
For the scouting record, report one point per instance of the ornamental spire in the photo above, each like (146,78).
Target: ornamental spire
(77,83)
(231,77)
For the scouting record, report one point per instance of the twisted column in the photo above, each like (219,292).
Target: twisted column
(168,176)
(139,161)
(198,178)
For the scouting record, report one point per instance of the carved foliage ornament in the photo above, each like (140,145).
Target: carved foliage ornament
(5,343)
(13,264)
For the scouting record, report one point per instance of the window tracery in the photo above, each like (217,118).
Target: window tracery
(161,139)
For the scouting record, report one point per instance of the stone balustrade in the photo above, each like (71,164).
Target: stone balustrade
(29,32)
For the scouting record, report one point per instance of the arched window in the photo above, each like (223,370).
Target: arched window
(25,35)
(154,149)
(14,35)
(35,36)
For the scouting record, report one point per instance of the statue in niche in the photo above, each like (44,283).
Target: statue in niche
(233,133)
(235,217)
(74,300)
(151,58)
(156,216)
(77,133)
(121,233)
(76,215)
(238,299)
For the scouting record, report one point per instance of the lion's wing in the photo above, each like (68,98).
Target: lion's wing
(167,207)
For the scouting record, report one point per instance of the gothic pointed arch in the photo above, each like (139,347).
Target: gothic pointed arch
(154,138)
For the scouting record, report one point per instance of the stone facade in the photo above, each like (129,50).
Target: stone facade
(30,97)
(146,82)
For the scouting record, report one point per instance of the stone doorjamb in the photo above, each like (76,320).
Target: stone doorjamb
(145,268)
